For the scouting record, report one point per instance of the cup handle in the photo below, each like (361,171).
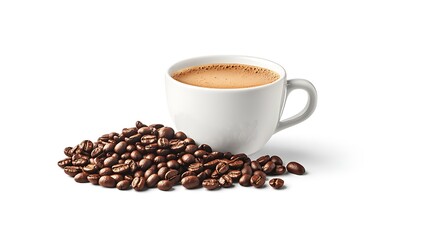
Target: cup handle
(305,85)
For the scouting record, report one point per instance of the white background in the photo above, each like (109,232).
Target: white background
(73,70)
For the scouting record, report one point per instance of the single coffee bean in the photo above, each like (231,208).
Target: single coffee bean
(208,172)
(72,170)
(171,156)
(110,161)
(189,141)
(162,171)
(178,147)
(152,180)
(131,147)
(120,147)
(127,132)
(276,160)
(191,148)
(295,168)
(165,185)
(86,146)
(188,158)
(180,135)
(225,181)
(257,181)
(217,155)
(150,171)
(205,147)
(190,182)
(211,184)
(90,168)
(200,153)
(236,164)
(136,155)
(245,180)
(156,126)
(163,152)
(215,174)
(138,173)
(159,159)
(234,174)
(138,183)
(227,155)
(105,171)
(247,169)
(173,164)
(144,131)
(276,183)
(107,181)
(123,185)
(173,176)
(121,168)
(280,169)
(140,148)
(65,162)
(268,167)
(93,178)
(80,162)
(67,151)
(196,167)
(133,139)
(150,156)
(117,177)
(222,168)
(161,165)
(109,147)
(96,152)
(201,176)
(140,125)
(148,139)
(166,132)
(151,147)
(130,178)
(261,173)
(212,164)
(255,166)
(81,177)
(144,164)
(262,160)
(163,142)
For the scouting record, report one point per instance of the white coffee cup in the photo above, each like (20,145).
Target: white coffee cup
(239,120)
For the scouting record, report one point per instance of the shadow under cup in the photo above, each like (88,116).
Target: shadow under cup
(235,120)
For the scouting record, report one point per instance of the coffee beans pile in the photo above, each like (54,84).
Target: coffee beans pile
(156,156)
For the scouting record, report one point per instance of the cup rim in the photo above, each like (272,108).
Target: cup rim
(212,59)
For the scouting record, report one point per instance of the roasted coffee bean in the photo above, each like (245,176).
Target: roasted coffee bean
(205,147)
(121,168)
(201,176)
(178,147)
(295,168)
(216,155)
(171,156)
(152,180)
(268,167)
(166,132)
(276,183)
(131,147)
(145,163)
(211,184)
(208,172)
(240,156)
(180,135)
(150,156)
(133,139)
(173,176)
(196,167)
(86,146)
(276,160)
(165,185)
(72,170)
(222,168)
(246,169)
(148,139)
(150,171)
(190,182)
(188,173)
(140,148)
(255,166)
(65,162)
(159,159)
(107,181)
(126,156)
(236,164)
(117,177)
(130,178)
(120,147)
(257,181)
(105,171)
(110,161)
(163,151)
(261,173)
(207,158)
(109,147)
(245,180)
(162,171)
(262,160)
(81,177)
(80,162)
(225,181)
(96,152)
(215,174)
(123,185)
(151,147)
(200,153)
(188,158)
(161,165)
(138,183)
(67,151)
(156,126)
(163,142)
(173,164)
(128,132)
(136,155)
(191,148)
(227,155)
(212,164)
(279,170)
(138,173)
(93,178)
(189,141)
(144,131)
(234,174)
(140,125)
(90,168)
(79,156)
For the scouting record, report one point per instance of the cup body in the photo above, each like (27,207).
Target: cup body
(235,120)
